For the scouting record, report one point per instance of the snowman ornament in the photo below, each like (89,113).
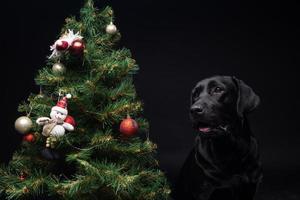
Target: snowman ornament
(59,121)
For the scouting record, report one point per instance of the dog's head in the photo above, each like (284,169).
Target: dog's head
(219,102)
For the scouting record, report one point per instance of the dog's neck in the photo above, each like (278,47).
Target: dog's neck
(219,153)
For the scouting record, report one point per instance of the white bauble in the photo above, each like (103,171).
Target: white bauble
(111,28)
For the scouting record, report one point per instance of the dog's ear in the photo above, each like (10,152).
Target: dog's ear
(247,100)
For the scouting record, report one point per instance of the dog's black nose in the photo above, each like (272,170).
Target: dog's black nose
(196,110)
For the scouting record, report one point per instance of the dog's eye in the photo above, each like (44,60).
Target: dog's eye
(218,90)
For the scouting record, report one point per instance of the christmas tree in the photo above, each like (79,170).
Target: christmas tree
(99,153)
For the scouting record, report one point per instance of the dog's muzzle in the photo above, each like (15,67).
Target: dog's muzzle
(210,129)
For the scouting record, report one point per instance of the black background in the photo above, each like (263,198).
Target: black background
(177,43)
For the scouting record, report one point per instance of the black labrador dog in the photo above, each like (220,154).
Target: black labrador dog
(224,163)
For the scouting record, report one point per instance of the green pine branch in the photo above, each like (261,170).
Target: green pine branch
(106,164)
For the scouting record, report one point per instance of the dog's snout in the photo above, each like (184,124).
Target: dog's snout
(196,110)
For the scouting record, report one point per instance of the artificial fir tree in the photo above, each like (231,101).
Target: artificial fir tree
(96,154)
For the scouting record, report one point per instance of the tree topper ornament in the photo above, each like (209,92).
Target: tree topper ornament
(63,43)
(60,120)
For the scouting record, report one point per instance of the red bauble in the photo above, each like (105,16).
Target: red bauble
(129,126)
(22,176)
(61,45)
(77,47)
(70,120)
(29,137)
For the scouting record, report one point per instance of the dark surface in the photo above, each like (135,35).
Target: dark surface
(176,44)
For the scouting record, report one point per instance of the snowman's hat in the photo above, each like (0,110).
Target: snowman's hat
(62,104)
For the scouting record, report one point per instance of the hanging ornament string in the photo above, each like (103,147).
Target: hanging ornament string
(59,95)
(148,134)
(56,95)
(41,90)
(30,110)
(40,95)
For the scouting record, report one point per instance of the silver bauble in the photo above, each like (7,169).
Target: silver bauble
(111,28)
(58,68)
(23,124)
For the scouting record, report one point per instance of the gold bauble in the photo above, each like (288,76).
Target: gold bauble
(58,68)
(23,124)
